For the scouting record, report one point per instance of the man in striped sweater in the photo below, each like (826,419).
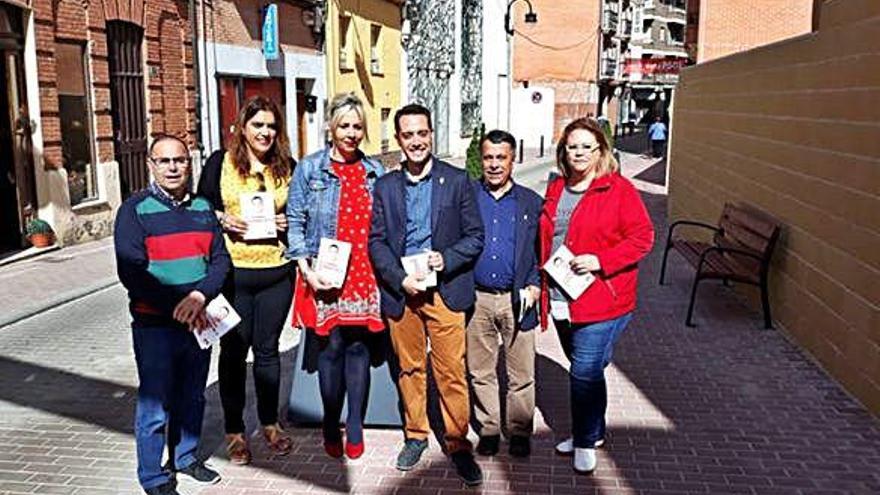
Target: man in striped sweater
(171,257)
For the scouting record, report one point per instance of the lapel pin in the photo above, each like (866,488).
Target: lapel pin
(442,180)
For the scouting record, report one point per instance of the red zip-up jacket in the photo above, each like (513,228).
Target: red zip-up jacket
(610,221)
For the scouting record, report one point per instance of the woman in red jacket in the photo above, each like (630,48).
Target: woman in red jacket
(599,216)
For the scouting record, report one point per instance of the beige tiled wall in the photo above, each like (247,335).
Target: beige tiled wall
(794,128)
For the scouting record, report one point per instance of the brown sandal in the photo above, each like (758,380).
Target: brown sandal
(277,440)
(237,449)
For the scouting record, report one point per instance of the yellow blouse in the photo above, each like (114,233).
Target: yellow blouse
(264,253)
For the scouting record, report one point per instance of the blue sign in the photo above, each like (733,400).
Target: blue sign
(271,49)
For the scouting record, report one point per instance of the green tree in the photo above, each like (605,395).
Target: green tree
(473,163)
(609,133)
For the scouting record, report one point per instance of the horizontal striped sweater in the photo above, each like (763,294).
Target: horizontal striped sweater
(166,250)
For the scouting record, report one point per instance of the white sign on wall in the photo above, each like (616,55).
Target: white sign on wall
(532,115)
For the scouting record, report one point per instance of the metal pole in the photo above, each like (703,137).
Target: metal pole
(541,149)
(520,151)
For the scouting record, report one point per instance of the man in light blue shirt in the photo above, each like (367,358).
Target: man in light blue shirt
(657,132)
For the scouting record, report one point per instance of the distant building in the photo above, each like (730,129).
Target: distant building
(454,52)
(84,85)
(643,49)
(363,56)
(717,28)
(234,67)
(559,52)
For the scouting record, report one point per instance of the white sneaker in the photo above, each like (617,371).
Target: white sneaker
(584,461)
(566,447)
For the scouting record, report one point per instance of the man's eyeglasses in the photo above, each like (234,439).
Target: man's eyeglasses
(166,161)
(581,147)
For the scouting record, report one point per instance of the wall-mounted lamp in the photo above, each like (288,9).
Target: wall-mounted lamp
(313,17)
(409,25)
(530,18)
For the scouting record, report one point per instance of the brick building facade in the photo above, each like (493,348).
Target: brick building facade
(723,27)
(101,77)
(561,52)
(233,67)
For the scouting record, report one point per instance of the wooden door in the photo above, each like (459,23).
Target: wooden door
(128,107)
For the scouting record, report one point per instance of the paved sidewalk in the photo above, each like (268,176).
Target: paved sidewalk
(726,407)
(52,278)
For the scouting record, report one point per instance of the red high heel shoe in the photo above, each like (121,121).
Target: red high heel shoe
(354,450)
(333,449)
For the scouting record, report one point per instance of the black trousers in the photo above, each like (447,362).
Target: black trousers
(658,147)
(262,298)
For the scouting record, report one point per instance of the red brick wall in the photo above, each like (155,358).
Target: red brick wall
(239,23)
(562,45)
(170,93)
(730,26)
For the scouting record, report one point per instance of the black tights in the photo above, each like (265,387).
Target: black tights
(344,366)
(262,299)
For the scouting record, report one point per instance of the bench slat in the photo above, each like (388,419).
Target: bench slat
(745,237)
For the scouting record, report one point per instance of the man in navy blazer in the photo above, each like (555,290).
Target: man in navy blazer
(427,209)
(507,287)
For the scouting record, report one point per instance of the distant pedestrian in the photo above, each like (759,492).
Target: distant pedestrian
(599,216)
(657,133)
(257,163)
(171,258)
(428,208)
(331,197)
(507,288)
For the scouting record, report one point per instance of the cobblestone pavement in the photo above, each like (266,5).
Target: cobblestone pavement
(726,407)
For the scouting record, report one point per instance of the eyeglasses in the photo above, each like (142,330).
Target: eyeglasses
(581,147)
(166,161)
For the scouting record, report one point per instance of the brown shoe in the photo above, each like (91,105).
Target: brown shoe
(278,441)
(237,449)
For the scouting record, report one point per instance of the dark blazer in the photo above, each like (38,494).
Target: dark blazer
(525,271)
(456,233)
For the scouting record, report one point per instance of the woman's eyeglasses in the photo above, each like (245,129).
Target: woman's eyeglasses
(571,148)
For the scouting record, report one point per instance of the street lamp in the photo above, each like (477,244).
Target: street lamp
(530,18)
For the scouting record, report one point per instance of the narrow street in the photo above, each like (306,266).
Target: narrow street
(726,407)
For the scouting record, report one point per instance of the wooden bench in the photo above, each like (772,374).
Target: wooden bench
(740,251)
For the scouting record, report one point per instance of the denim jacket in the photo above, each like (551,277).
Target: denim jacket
(313,200)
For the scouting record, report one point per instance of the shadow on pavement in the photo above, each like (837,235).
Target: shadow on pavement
(109,405)
(655,174)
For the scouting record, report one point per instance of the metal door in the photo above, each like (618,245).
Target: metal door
(124,46)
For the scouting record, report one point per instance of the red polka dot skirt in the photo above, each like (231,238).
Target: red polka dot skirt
(357,303)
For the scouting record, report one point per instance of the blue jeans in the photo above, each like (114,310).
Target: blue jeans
(589,348)
(172,371)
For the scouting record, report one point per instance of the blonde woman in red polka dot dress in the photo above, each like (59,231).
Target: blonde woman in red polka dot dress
(331,197)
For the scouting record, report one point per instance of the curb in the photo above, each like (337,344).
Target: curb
(60,299)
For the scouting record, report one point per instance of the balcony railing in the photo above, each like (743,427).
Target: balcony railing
(670,12)
(671,46)
(609,21)
(608,68)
